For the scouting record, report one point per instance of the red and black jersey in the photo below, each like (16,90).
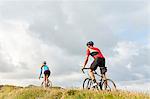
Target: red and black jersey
(94,52)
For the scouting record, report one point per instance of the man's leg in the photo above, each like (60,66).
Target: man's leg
(92,68)
(103,71)
(104,77)
(92,75)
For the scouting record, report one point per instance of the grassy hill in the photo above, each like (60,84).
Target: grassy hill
(32,92)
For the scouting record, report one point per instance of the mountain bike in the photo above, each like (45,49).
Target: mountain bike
(102,84)
(49,83)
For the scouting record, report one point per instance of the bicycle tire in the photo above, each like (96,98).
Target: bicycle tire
(49,84)
(110,85)
(42,84)
(87,83)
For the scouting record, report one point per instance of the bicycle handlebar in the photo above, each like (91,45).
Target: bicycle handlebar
(86,68)
(83,69)
(41,77)
(93,71)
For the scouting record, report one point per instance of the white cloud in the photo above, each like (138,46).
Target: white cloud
(130,61)
(25,53)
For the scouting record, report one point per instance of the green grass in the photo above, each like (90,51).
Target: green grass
(12,92)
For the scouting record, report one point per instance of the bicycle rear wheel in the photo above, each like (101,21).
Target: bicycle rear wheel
(87,83)
(42,84)
(49,84)
(108,85)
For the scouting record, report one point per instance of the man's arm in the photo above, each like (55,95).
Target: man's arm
(86,61)
(87,58)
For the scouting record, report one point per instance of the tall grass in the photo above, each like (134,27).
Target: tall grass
(12,92)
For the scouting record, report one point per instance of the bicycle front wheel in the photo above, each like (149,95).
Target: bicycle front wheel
(87,83)
(108,85)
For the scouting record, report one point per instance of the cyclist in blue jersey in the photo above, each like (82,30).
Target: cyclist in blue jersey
(46,72)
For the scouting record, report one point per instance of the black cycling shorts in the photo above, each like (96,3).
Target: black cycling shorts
(97,62)
(47,73)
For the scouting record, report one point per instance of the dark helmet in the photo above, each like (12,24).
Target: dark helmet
(44,62)
(90,43)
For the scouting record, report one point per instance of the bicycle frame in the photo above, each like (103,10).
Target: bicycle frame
(93,72)
(43,82)
(99,80)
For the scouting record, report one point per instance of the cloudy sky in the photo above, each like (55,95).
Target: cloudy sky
(57,31)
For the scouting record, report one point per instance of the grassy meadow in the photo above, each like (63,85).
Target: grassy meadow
(31,92)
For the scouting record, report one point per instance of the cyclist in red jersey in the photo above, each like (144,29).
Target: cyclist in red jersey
(99,60)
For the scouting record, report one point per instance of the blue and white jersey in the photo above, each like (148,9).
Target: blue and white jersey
(45,67)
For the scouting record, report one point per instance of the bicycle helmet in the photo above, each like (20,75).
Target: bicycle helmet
(90,43)
(44,62)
